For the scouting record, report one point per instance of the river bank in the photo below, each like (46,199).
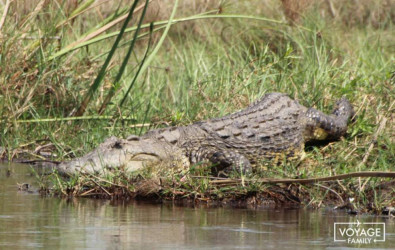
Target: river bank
(62,92)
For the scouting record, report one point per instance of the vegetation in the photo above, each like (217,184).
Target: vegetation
(64,70)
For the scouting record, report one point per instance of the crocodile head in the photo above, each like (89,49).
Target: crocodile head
(129,155)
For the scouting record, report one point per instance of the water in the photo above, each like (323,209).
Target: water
(28,220)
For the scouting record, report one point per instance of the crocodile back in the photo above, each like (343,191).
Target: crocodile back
(267,128)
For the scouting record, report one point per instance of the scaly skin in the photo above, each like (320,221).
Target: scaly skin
(271,128)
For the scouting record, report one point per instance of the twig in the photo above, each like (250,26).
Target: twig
(40,147)
(102,188)
(360,107)
(91,194)
(311,180)
(25,26)
(332,9)
(60,119)
(79,13)
(341,185)
(104,28)
(208,177)
(373,142)
(87,192)
(349,154)
(41,37)
(109,182)
(140,125)
(330,189)
(60,185)
(33,162)
(6,8)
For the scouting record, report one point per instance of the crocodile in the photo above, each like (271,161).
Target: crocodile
(274,127)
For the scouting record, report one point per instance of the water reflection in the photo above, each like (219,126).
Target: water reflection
(30,221)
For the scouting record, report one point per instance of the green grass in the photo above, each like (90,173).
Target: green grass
(205,68)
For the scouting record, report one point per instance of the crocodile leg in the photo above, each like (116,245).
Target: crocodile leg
(321,126)
(228,161)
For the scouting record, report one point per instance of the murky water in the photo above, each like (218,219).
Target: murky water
(28,220)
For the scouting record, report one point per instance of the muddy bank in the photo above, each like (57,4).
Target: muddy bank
(375,197)
(376,200)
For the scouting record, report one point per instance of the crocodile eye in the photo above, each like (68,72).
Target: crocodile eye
(133,138)
(144,157)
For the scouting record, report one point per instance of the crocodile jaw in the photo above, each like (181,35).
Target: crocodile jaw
(128,155)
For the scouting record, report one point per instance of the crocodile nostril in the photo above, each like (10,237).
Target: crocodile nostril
(117,145)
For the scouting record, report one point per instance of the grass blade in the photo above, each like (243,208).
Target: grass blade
(97,32)
(116,84)
(152,55)
(70,48)
(82,8)
(102,72)
(139,69)
(5,12)
(79,11)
